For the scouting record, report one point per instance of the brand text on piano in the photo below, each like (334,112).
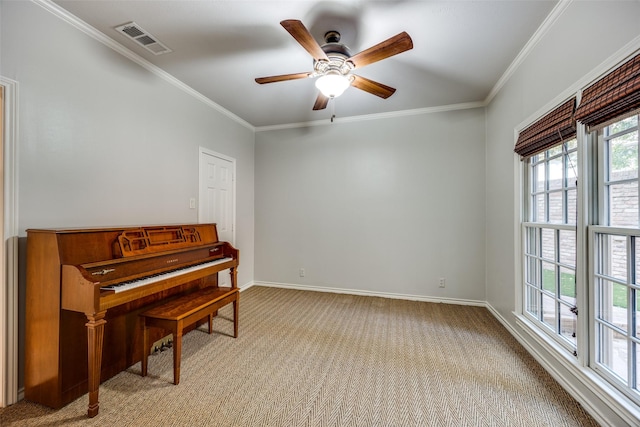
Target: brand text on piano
(103,272)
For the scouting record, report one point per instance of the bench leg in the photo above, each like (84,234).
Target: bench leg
(145,348)
(236,308)
(177,351)
(210,323)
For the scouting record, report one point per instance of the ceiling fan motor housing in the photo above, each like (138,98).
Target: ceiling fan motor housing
(338,55)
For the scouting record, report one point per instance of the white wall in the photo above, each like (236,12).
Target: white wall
(387,205)
(583,38)
(103,141)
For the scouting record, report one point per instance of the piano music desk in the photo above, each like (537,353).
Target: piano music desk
(179,313)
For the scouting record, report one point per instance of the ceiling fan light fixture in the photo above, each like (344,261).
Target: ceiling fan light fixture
(333,63)
(332,85)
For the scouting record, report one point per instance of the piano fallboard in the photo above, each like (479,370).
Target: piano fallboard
(119,270)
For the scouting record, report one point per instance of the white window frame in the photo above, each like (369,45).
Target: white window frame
(533,339)
(573,373)
(528,211)
(629,386)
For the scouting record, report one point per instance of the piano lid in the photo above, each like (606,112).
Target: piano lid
(87,245)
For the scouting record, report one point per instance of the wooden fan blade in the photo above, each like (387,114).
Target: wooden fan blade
(303,36)
(393,46)
(375,88)
(321,102)
(282,78)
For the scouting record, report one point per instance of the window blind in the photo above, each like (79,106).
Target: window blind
(614,95)
(549,131)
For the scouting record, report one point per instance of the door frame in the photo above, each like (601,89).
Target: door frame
(201,187)
(9,343)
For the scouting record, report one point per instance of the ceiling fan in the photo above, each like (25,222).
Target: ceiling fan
(333,63)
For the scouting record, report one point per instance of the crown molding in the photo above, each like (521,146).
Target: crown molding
(377,116)
(79,24)
(74,21)
(549,21)
(109,42)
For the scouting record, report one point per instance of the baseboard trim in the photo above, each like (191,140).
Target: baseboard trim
(606,396)
(409,297)
(246,286)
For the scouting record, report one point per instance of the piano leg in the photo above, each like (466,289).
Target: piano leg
(95,335)
(233,274)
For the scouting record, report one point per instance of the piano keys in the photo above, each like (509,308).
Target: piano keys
(85,289)
(136,283)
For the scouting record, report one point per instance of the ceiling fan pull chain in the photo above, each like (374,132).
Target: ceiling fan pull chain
(333,108)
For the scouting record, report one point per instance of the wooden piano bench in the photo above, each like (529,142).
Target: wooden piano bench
(175,315)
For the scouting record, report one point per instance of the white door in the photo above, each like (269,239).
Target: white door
(217,198)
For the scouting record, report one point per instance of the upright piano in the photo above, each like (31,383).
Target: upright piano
(86,288)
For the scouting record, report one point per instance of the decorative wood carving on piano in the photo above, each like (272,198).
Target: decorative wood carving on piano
(75,295)
(146,240)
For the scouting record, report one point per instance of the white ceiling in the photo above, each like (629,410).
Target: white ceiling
(461,49)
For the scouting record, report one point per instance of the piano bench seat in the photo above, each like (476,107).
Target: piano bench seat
(175,315)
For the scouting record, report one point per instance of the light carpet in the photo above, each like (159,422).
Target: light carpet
(321,359)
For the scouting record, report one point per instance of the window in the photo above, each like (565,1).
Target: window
(599,246)
(550,242)
(616,258)
(620,173)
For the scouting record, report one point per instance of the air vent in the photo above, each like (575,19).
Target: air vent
(143,38)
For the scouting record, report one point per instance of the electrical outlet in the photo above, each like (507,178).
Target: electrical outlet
(301,272)
(441,282)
